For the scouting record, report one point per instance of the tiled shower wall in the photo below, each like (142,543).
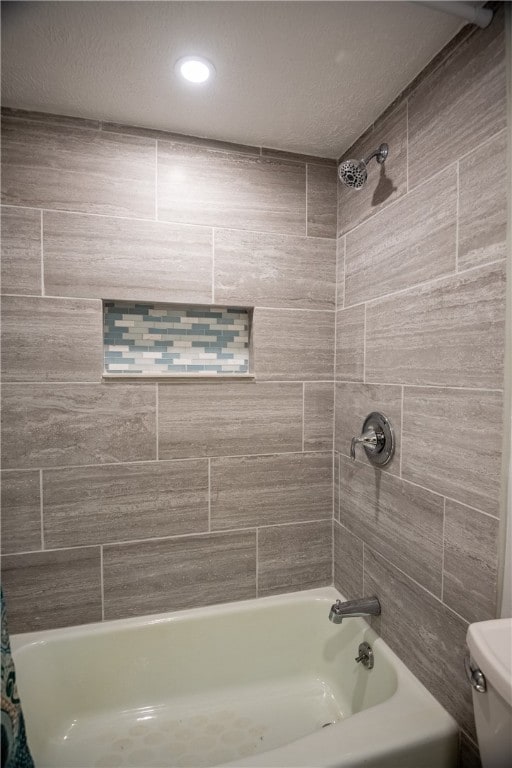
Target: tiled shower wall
(129,498)
(420,336)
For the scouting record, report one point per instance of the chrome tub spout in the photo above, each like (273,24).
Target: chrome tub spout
(364,606)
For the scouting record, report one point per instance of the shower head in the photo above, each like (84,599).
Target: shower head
(354,173)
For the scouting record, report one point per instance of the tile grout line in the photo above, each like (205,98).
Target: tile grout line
(364,346)
(213,265)
(156,179)
(42,256)
(457,220)
(165,461)
(285,234)
(209,495)
(417,583)
(344,267)
(108,127)
(415,286)
(146,381)
(332,550)
(422,183)
(306,222)
(303,411)
(334,407)
(151,539)
(146,301)
(428,490)
(164,222)
(41,512)
(442,558)
(402,197)
(401,384)
(482,144)
(406,146)
(101,585)
(364,569)
(257,561)
(334,457)
(156,419)
(401,430)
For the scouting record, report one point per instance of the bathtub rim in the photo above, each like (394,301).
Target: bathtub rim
(319,594)
(409,699)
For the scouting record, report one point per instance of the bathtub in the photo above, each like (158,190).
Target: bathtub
(267,682)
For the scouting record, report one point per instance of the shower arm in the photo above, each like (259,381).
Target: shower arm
(379,154)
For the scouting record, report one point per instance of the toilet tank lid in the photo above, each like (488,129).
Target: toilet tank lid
(490,645)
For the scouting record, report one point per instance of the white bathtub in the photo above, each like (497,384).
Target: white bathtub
(244,684)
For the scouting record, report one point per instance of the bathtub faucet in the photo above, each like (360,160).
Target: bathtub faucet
(365,606)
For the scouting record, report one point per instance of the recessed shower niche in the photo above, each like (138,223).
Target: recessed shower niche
(143,339)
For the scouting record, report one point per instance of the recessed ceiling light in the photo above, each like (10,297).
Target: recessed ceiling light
(195,69)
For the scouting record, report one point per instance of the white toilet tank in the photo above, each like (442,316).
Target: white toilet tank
(490,645)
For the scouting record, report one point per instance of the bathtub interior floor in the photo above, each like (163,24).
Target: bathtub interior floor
(196,731)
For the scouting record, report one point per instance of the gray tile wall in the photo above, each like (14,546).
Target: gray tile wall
(420,336)
(129,498)
(161,496)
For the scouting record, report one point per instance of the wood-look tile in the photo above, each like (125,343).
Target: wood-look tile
(219,189)
(171,574)
(348,563)
(51,425)
(299,157)
(180,138)
(461,104)
(248,491)
(483,204)
(386,182)
(241,418)
(449,333)
(354,402)
(402,522)
(274,270)
(294,557)
(470,562)
(350,325)
(336,489)
(408,243)
(21,512)
(322,201)
(45,165)
(51,339)
(293,344)
(21,251)
(340,273)
(428,637)
(50,118)
(45,590)
(93,505)
(126,259)
(437,456)
(469,753)
(318,416)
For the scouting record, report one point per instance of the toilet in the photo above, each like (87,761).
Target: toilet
(490,673)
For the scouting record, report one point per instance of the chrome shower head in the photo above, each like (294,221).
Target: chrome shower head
(353,173)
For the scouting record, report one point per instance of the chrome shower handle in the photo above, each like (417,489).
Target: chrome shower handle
(377,439)
(367,438)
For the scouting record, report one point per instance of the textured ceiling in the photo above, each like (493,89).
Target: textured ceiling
(300,76)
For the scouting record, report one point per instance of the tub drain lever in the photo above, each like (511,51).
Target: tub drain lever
(365,655)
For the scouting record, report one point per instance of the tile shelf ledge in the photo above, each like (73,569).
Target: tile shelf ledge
(180,377)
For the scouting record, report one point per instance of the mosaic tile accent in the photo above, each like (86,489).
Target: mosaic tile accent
(162,339)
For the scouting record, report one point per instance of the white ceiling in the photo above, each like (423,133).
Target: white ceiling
(300,76)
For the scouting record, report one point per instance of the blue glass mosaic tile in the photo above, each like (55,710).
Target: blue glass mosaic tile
(160,339)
